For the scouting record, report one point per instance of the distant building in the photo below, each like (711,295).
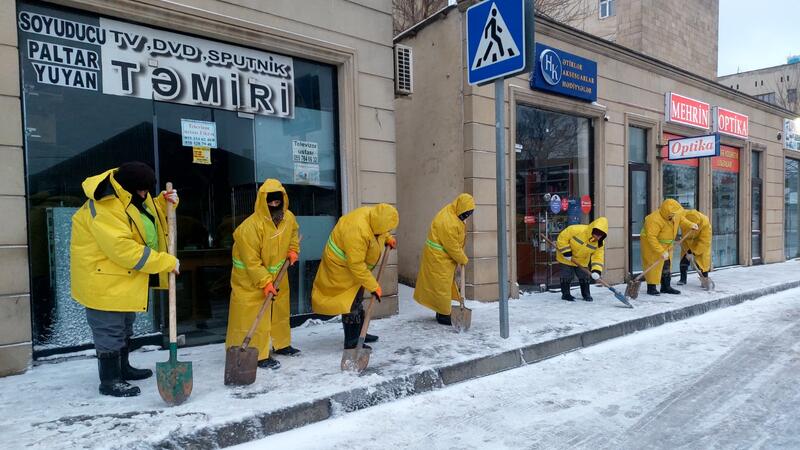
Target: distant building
(777,85)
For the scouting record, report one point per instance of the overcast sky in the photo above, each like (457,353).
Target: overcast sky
(757,34)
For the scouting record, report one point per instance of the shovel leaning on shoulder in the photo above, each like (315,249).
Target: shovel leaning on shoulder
(241,361)
(174,378)
(461,316)
(618,295)
(357,359)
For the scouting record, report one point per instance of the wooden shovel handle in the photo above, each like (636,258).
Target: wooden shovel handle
(267,302)
(671,246)
(171,239)
(600,280)
(368,314)
(462,284)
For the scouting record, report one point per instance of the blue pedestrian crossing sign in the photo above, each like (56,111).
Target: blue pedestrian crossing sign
(495,40)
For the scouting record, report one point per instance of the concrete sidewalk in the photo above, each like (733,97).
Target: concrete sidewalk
(57,405)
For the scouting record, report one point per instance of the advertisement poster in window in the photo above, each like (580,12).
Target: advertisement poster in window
(791,134)
(305,156)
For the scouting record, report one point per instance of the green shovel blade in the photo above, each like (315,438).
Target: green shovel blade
(174,378)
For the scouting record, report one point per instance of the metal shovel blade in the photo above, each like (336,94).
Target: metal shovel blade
(174,378)
(241,366)
(461,318)
(355,359)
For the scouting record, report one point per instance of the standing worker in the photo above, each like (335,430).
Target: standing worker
(698,245)
(118,250)
(353,249)
(658,235)
(261,244)
(444,249)
(584,246)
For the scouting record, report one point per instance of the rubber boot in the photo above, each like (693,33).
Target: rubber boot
(351,331)
(665,285)
(565,295)
(443,319)
(287,351)
(111,382)
(652,290)
(368,337)
(269,363)
(129,372)
(684,271)
(585,293)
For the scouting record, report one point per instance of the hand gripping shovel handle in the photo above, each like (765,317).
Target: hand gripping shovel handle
(655,264)
(267,302)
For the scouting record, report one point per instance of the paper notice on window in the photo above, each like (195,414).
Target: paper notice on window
(306,173)
(198,133)
(201,155)
(305,156)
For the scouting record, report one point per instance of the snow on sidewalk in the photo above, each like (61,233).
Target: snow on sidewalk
(58,404)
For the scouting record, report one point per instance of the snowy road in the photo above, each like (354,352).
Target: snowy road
(727,379)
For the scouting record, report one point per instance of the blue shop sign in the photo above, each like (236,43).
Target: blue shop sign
(563,73)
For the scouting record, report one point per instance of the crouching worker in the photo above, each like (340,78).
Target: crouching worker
(584,246)
(443,250)
(353,249)
(699,244)
(261,244)
(118,250)
(657,236)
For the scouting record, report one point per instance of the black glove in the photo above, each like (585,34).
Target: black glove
(377,296)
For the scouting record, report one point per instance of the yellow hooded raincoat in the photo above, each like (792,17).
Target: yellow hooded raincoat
(443,250)
(110,262)
(259,249)
(658,235)
(576,239)
(353,249)
(699,242)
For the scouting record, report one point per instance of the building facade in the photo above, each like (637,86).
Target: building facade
(683,33)
(216,96)
(778,85)
(593,140)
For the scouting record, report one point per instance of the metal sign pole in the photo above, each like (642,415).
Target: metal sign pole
(502,247)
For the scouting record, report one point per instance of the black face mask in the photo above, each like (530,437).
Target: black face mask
(465,215)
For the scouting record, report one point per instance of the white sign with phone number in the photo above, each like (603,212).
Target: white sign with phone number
(198,133)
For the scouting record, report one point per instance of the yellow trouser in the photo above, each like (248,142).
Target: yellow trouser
(280,333)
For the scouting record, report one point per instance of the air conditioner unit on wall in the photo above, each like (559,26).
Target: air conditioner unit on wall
(403,70)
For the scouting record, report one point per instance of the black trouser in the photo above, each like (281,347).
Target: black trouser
(568,272)
(110,329)
(685,267)
(352,321)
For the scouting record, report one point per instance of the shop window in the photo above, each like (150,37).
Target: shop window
(791,225)
(554,170)
(679,182)
(791,95)
(638,193)
(725,207)
(756,194)
(607,8)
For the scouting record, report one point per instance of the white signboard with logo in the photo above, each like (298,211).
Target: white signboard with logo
(791,134)
(120,58)
(693,147)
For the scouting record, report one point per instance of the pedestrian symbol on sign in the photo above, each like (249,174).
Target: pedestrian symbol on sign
(496,43)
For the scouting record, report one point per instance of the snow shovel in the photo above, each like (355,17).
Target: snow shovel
(705,282)
(357,359)
(241,361)
(632,290)
(617,294)
(174,378)
(461,316)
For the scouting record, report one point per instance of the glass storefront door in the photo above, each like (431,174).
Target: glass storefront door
(756,194)
(791,221)
(725,207)
(638,194)
(679,182)
(553,175)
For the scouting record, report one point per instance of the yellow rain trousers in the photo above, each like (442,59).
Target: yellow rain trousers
(658,234)
(353,249)
(259,250)
(578,240)
(443,250)
(699,242)
(110,263)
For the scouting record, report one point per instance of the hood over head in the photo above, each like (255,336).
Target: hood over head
(383,218)
(270,185)
(462,204)
(670,207)
(104,184)
(600,224)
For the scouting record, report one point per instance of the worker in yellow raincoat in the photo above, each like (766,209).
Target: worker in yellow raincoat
(584,246)
(118,250)
(698,244)
(443,250)
(262,243)
(353,249)
(657,236)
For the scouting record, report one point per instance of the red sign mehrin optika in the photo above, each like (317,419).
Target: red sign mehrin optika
(686,111)
(731,123)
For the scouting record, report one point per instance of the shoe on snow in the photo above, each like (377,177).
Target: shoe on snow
(669,290)
(568,298)
(651,290)
(588,299)
(129,372)
(354,344)
(287,351)
(443,319)
(269,363)
(371,338)
(119,389)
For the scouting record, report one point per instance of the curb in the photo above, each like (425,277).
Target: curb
(262,425)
